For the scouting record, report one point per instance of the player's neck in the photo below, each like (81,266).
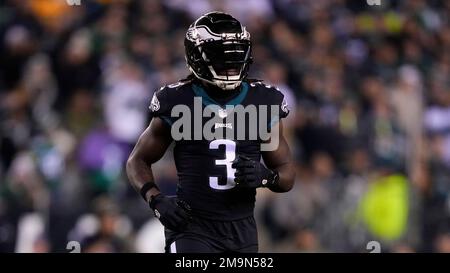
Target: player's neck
(220,95)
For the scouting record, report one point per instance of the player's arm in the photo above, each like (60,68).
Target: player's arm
(278,173)
(151,146)
(280,161)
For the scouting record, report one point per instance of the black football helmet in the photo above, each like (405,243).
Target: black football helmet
(218,50)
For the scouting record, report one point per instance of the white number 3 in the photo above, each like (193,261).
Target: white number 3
(230,155)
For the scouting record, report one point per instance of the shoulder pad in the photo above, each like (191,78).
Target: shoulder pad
(263,85)
(165,98)
(271,95)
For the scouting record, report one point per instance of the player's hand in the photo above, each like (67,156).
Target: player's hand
(172,212)
(252,174)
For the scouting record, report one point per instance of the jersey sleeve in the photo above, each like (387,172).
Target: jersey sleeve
(282,104)
(276,98)
(160,105)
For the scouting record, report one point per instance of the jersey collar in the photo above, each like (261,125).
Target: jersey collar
(207,100)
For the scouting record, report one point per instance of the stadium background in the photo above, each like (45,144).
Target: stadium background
(368,88)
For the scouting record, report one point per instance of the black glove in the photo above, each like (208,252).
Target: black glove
(252,174)
(171,212)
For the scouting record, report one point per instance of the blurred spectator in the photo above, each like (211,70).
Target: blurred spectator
(104,231)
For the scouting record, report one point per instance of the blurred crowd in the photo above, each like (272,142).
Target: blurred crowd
(369,93)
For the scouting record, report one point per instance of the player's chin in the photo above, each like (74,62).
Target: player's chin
(231,72)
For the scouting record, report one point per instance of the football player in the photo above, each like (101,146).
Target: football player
(218,178)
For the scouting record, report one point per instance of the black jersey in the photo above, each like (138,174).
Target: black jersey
(206,179)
